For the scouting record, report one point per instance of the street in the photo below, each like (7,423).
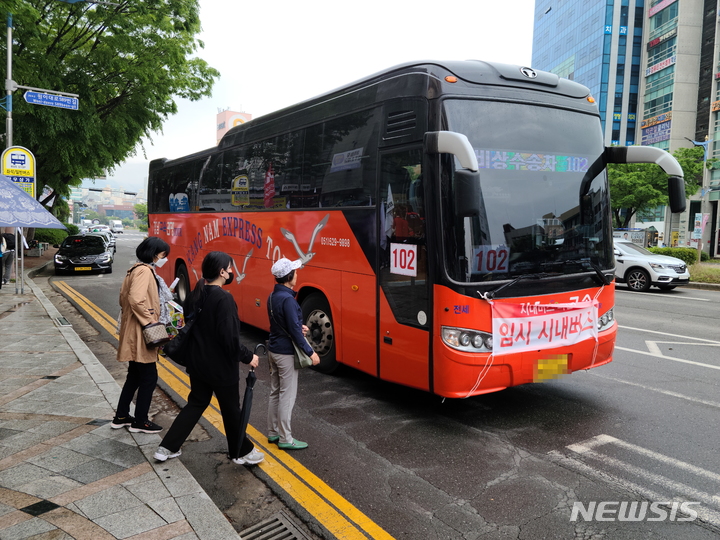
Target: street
(505,465)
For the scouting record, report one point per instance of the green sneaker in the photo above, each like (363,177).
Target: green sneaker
(295,445)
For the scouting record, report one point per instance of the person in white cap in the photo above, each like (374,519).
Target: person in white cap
(286,326)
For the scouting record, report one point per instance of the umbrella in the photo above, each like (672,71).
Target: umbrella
(18,209)
(248,397)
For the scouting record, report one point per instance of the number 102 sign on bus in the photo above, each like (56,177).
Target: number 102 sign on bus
(403,259)
(490,259)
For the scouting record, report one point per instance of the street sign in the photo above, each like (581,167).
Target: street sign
(18,164)
(52,100)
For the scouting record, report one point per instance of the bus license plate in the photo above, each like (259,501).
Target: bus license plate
(78,268)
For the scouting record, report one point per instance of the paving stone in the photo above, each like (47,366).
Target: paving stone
(107,502)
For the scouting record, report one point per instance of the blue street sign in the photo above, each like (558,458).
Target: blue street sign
(52,100)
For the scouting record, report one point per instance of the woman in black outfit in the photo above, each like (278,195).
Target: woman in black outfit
(214,364)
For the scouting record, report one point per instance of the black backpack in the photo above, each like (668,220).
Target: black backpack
(9,240)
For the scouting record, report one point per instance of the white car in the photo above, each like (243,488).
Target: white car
(641,269)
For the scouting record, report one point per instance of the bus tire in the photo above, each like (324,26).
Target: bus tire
(317,317)
(182,289)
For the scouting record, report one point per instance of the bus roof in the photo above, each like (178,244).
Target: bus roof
(471,72)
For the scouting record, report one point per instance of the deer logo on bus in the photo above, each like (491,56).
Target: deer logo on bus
(305,257)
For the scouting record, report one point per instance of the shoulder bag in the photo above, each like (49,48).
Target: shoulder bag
(302,360)
(178,348)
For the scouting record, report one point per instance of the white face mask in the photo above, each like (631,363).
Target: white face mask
(160,262)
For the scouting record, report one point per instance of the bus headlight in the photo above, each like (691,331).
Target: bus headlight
(467,340)
(606,320)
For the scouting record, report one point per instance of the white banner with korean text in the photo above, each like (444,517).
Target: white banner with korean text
(532,327)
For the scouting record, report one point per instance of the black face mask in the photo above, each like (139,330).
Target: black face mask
(228,281)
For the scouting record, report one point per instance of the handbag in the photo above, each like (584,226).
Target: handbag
(302,360)
(155,334)
(178,348)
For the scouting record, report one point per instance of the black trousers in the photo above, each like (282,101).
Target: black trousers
(200,395)
(141,378)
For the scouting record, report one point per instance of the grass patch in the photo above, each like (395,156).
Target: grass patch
(705,273)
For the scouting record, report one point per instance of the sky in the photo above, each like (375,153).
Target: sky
(271,55)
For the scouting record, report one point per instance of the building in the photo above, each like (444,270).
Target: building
(654,70)
(598,44)
(228,119)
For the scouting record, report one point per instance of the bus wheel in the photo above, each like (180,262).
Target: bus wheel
(317,317)
(182,289)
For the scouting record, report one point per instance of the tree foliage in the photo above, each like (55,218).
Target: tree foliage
(640,187)
(128,63)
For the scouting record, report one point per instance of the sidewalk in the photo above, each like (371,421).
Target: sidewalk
(64,473)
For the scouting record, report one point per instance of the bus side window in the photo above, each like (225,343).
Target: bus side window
(214,193)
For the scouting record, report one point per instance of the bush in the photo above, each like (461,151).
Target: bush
(72,229)
(687,255)
(143,227)
(51,236)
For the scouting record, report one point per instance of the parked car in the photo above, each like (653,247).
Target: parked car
(89,252)
(109,238)
(640,269)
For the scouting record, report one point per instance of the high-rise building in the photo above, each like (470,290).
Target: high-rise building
(597,43)
(653,67)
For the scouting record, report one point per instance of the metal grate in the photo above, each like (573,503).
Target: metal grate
(277,527)
(62,321)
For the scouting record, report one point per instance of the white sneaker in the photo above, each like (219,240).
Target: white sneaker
(163,454)
(252,458)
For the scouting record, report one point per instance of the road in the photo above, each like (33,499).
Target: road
(392,462)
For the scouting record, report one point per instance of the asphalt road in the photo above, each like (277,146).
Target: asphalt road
(513,464)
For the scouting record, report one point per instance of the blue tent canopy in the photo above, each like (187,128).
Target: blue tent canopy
(18,209)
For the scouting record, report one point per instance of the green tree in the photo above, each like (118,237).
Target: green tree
(141,212)
(640,187)
(128,63)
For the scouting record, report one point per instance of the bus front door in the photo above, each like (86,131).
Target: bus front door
(404,307)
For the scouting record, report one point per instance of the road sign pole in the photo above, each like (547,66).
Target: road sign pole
(8,90)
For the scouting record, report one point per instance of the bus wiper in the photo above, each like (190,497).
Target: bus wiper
(489,295)
(603,278)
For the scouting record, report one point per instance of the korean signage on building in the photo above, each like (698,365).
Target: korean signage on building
(664,37)
(656,133)
(657,8)
(660,66)
(659,119)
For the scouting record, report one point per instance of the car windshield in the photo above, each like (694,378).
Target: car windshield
(627,246)
(543,197)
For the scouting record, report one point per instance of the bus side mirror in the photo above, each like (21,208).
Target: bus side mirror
(676,194)
(467,193)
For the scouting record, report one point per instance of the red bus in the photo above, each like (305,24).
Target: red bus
(453,220)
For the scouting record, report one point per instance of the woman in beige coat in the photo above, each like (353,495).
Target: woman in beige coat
(143,300)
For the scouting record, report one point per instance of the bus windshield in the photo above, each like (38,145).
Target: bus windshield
(544,205)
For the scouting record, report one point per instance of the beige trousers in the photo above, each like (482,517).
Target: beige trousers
(283,391)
